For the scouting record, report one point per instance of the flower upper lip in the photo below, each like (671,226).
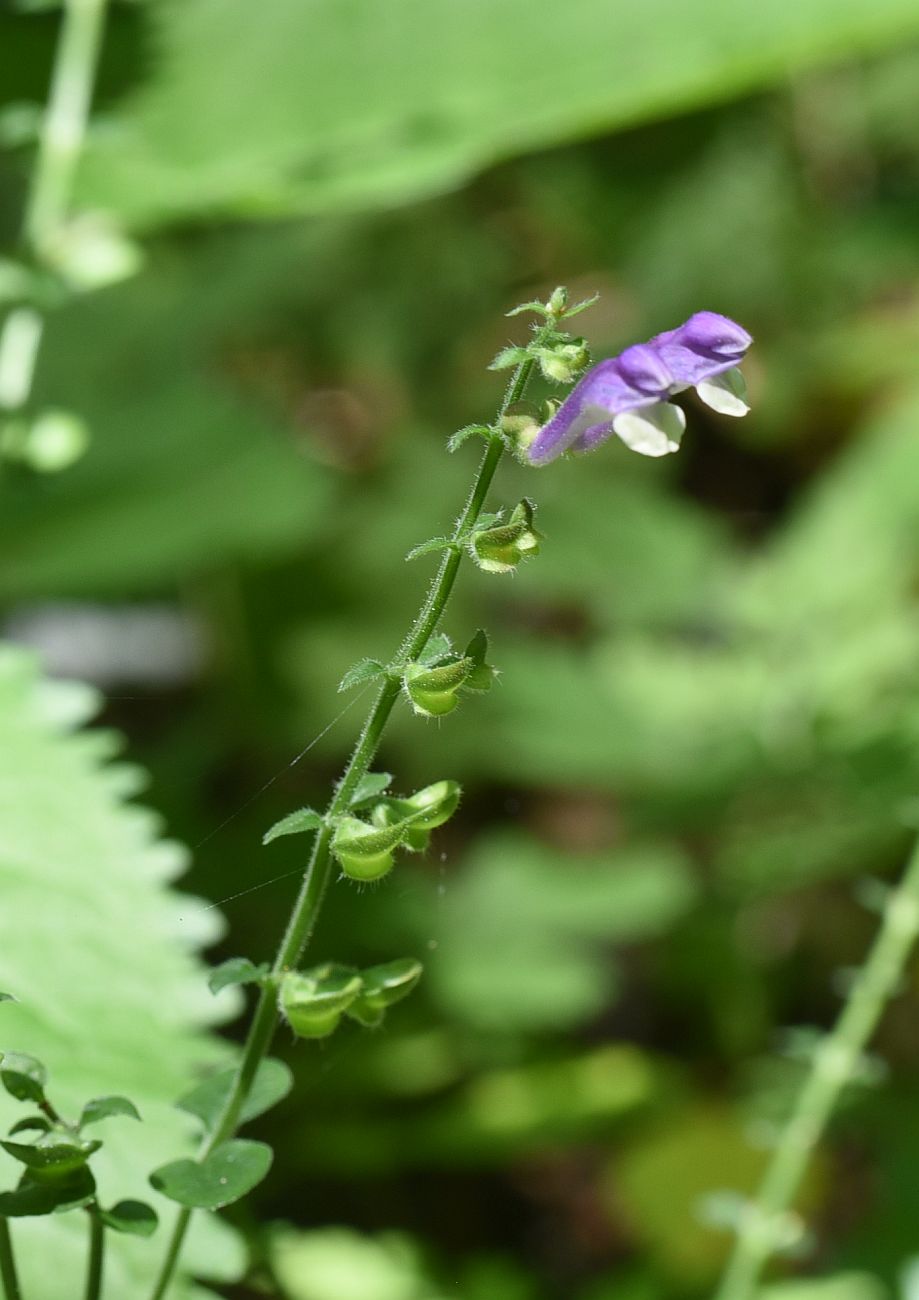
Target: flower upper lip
(644,375)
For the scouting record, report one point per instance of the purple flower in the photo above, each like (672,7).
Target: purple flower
(627,395)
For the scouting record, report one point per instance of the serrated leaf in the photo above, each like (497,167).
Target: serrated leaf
(237,970)
(363,671)
(295,823)
(31,1122)
(425,548)
(51,1154)
(136,1218)
(273,1081)
(104,1107)
(508,357)
(23,1076)
(107,875)
(226,1175)
(370,787)
(32,1198)
(456,440)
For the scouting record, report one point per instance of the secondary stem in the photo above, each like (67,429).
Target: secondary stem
(60,145)
(319,869)
(96,1249)
(834,1063)
(8,1274)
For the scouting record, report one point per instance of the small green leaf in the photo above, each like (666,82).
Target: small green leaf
(508,357)
(32,1198)
(456,440)
(477,649)
(238,970)
(103,1107)
(51,1154)
(370,787)
(273,1081)
(133,1217)
(580,306)
(38,1122)
(23,1076)
(539,307)
(304,819)
(365,670)
(437,648)
(224,1176)
(7,997)
(432,544)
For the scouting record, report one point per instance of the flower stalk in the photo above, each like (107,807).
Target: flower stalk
(763,1221)
(321,863)
(96,1253)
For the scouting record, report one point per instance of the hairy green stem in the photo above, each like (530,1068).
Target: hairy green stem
(96,1253)
(60,145)
(8,1275)
(319,869)
(764,1221)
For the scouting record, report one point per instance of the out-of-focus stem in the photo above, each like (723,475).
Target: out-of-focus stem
(60,144)
(760,1230)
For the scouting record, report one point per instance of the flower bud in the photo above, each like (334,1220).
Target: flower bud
(313,1002)
(565,361)
(365,852)
(383,987)
(433,691)
(501,548)
(558,300)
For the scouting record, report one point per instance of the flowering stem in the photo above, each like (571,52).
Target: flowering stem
(8,1274)
(834,1063)
(96,1249)
(319,869)
(60,145)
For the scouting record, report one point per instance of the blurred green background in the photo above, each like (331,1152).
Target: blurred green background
(706,729)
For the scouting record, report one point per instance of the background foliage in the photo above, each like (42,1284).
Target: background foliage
(705,731)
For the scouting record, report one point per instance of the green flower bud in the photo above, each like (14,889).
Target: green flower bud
(383,987)
(565,361)
(558,301)
(365,852)
(501,548)
(313,1002)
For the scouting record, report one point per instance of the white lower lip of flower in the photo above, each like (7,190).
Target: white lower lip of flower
(725,393)
(652,431)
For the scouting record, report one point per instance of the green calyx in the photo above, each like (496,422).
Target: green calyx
(314,1001)
(365,850)
(433,687)
(501,548)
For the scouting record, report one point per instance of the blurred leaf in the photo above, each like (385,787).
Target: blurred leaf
(104,1107)
(121,1007)
(34,1199)
(273,1081)
(339,1264)
(521,931)
(186,145)
(133,1217)
(23,1076)
(222,1177)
